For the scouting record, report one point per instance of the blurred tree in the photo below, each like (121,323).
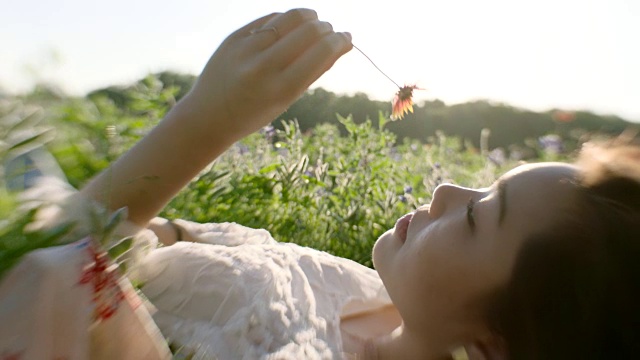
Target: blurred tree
(124,96)
(182,82)
(510,127)
(45,92)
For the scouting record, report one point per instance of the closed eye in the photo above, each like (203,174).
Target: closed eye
(470,219)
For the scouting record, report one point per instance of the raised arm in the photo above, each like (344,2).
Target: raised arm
(255,74)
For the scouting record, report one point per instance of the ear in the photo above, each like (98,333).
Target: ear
(490,347)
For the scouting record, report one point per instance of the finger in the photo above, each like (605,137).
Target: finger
(318,59)
(291,19)
(282,53)
(255,24)
(263,37)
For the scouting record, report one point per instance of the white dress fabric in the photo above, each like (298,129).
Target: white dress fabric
(239,294)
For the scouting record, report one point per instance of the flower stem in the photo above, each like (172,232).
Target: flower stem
(374,64)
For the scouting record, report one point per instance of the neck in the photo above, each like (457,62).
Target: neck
(401,345)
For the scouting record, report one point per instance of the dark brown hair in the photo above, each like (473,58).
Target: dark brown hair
(575,287)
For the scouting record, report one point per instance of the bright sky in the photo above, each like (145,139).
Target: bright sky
(571,54)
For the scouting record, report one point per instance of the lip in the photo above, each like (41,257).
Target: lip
(401,227)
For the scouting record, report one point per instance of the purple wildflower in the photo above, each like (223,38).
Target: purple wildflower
(269,132)
(497,156)
(242,149)
(551,143)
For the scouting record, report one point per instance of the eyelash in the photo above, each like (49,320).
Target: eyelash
(470,218)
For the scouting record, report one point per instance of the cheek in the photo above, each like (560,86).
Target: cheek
(441,262)
(436,245)
(433,267)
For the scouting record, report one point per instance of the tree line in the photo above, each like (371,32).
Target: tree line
(509,126)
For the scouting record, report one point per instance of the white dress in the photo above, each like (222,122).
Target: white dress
(239,294)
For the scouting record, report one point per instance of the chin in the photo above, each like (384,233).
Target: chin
(381,249)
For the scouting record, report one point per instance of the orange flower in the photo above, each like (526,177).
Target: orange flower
(563,116)
(403,102)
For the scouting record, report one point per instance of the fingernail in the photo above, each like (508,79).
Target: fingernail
(347,35)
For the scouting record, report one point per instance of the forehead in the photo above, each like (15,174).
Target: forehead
(549,174)
(535,194)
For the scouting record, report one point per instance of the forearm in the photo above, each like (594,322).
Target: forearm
(154,170)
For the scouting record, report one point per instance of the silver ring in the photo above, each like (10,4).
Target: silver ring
(270,28)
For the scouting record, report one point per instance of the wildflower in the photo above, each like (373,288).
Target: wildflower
(408,189)
(403,102)
(269,132)
(516,155)
(497,156)
(394,154)
(402,198)
(551,143)
(563,116)
(242,148)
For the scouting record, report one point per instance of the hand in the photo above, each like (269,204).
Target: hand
(168,232)
(262,68)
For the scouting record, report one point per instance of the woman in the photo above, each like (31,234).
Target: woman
(540,265)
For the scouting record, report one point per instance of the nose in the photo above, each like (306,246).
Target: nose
(448,196)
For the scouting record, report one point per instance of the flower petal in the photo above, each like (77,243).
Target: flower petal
(403,102)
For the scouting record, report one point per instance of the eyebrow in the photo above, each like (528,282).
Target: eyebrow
(502,199)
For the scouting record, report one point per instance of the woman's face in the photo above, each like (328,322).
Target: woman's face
(440,262)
